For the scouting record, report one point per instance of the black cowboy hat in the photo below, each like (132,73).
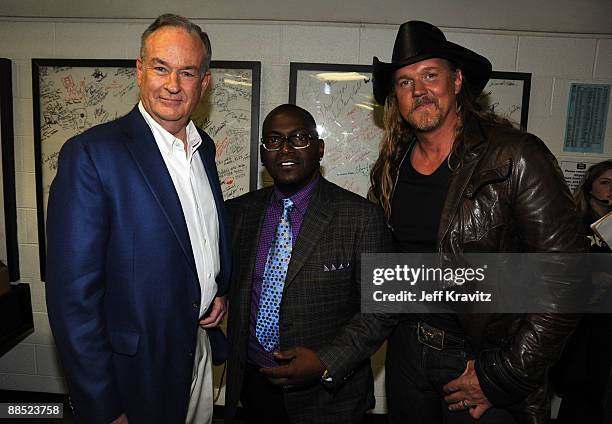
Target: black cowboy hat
(418,41)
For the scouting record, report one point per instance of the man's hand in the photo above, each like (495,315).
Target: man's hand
(464,392)
(121,420)
(299,366)
(215,314)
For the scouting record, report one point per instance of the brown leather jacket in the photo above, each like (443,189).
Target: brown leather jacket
(509,196)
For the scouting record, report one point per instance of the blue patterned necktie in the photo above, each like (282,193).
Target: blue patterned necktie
(275,272)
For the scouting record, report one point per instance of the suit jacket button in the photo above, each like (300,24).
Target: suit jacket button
(196,304)
(190,354)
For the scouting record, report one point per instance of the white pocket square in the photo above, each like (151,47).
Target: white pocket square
(334,267)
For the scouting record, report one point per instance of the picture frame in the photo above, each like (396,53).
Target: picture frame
(508,95)
(9,250)
(72,95)
(230,111)
(339,96)
(349,120)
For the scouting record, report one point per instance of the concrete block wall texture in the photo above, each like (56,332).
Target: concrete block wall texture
(555,60)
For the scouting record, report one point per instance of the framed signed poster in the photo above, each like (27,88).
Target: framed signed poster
(348,118)
(9,250)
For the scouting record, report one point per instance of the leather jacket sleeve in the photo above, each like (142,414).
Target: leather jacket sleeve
(546,221)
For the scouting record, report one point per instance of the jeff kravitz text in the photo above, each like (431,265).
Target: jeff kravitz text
(435,296)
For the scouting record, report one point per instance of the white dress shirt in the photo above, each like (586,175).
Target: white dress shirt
(193,188)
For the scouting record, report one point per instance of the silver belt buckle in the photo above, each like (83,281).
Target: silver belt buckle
(427,337)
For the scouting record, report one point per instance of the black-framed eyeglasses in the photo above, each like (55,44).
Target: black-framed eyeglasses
(273,143)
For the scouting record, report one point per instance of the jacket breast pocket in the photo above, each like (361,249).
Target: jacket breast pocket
(488,178)
(124,342)
(483,210)
(330,278)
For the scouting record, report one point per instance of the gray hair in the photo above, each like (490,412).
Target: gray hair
(171,20)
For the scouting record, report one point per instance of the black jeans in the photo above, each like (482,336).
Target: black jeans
(415,375)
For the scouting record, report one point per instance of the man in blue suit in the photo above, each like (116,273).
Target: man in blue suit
(137,247)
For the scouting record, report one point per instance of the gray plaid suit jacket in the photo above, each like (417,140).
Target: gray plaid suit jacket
(319,309)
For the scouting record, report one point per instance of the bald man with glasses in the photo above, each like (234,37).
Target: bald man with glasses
(300,346)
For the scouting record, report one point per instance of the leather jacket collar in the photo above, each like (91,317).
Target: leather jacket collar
(475,143)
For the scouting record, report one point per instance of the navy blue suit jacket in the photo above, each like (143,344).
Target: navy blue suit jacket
(122,288)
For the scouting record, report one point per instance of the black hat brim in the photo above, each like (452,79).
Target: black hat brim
(476,68)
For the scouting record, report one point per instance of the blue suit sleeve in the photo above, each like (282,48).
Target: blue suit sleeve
(77,234)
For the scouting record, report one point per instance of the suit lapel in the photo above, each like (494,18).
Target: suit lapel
(316,221)
(147,157)
(252,220)
(246,243)
(207,156)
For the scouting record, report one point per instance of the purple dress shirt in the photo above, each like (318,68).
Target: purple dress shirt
(256,353)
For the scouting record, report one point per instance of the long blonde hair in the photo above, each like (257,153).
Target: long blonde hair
(396,138)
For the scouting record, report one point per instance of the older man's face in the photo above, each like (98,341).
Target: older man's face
(426,93)
(170,77)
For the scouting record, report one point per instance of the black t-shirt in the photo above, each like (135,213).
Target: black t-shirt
(416,209)
(417,206)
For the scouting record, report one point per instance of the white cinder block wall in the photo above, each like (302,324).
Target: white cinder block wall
(554,59)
